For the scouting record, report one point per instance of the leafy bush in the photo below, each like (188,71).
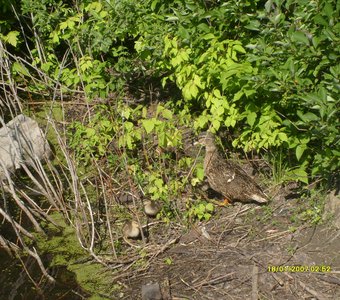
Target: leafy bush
(266,71)
(276,86)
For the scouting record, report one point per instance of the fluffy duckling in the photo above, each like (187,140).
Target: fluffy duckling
(131,230)
(151,208)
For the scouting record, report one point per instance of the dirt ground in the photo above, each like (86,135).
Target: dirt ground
(244,252)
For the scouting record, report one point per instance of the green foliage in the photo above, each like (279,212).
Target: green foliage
(275,87)
(198,175)
(289,62)
(91,140)
(281,172)
(313,215)
(269,75)
(168,261)
(129,124)
(309,209)
(201,211)
(156,187)
(11,38)
(205,77)
(163,126)
(313,212)
(145,144)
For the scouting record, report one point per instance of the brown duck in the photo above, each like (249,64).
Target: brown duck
(227,177)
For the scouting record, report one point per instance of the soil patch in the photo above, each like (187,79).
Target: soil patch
(247,252)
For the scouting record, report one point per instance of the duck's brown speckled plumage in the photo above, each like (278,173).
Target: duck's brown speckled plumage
(227,177)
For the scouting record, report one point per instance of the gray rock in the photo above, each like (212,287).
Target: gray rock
(21,142)
(332,208)
(151,291)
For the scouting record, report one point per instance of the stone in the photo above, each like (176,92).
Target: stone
(332,209)
(21,142)
(151,291)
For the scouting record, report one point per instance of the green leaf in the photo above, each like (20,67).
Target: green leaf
(208,36)
(203,27)
(128,126)
(198,81)
(282,136)
(251,118)
(336,153)
(299,36)
(249,92)
(12,38)
(219,111)
(299,174)
(300,149)
(183,33)
(167,114)
(328,10)
(154,4)
(239,48)
(193,90)
(171,18)
(148,125)
(307,117)
(19,68)
(318,19)
(217,93)
(216,124)
(200,173)
(90,132)
(253,25)
(126,113)
(230,121)
(201,121)
(209,207)
(238,95)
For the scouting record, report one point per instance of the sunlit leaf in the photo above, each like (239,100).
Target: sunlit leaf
(12,38)
(20,68)
(299,36)
(251,118)
(148,125)
(300,149)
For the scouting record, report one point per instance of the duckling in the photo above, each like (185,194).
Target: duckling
(151,208)
(131,230)
(227,177)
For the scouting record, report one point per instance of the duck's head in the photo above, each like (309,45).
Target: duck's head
(207,139)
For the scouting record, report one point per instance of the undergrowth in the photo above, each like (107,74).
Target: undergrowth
(264,74)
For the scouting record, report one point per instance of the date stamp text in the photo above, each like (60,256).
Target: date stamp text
(300,269)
